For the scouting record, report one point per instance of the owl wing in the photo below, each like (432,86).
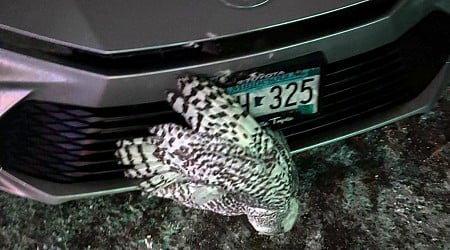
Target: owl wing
(208,109)
(226,150)
(175,157)
(219,164)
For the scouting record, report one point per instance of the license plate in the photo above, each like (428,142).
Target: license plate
(279,93)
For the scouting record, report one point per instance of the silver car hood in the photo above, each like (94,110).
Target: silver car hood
(112,26)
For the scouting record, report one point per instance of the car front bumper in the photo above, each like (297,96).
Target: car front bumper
(32,78)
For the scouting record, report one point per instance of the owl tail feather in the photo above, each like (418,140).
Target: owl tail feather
(160,182)
(131,153)
(143,154)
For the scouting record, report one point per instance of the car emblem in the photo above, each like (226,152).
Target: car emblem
(244,4)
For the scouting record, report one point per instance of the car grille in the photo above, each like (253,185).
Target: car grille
(69,143)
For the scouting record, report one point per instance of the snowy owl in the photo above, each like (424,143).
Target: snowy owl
(225,162)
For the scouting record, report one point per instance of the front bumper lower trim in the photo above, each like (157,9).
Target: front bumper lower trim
(56,193)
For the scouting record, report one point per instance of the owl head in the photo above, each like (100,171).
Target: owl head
(274,222)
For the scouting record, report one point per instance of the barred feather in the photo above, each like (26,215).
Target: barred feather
(225,162)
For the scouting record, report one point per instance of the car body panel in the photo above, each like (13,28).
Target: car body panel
(110,27)
(59,83)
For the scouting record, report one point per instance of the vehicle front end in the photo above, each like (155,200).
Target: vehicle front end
(77,76)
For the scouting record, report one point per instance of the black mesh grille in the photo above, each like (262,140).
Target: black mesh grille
(373,81)
(67,143)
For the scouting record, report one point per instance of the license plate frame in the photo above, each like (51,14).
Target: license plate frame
(280,74)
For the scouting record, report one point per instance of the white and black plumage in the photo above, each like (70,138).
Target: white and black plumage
(226,162)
